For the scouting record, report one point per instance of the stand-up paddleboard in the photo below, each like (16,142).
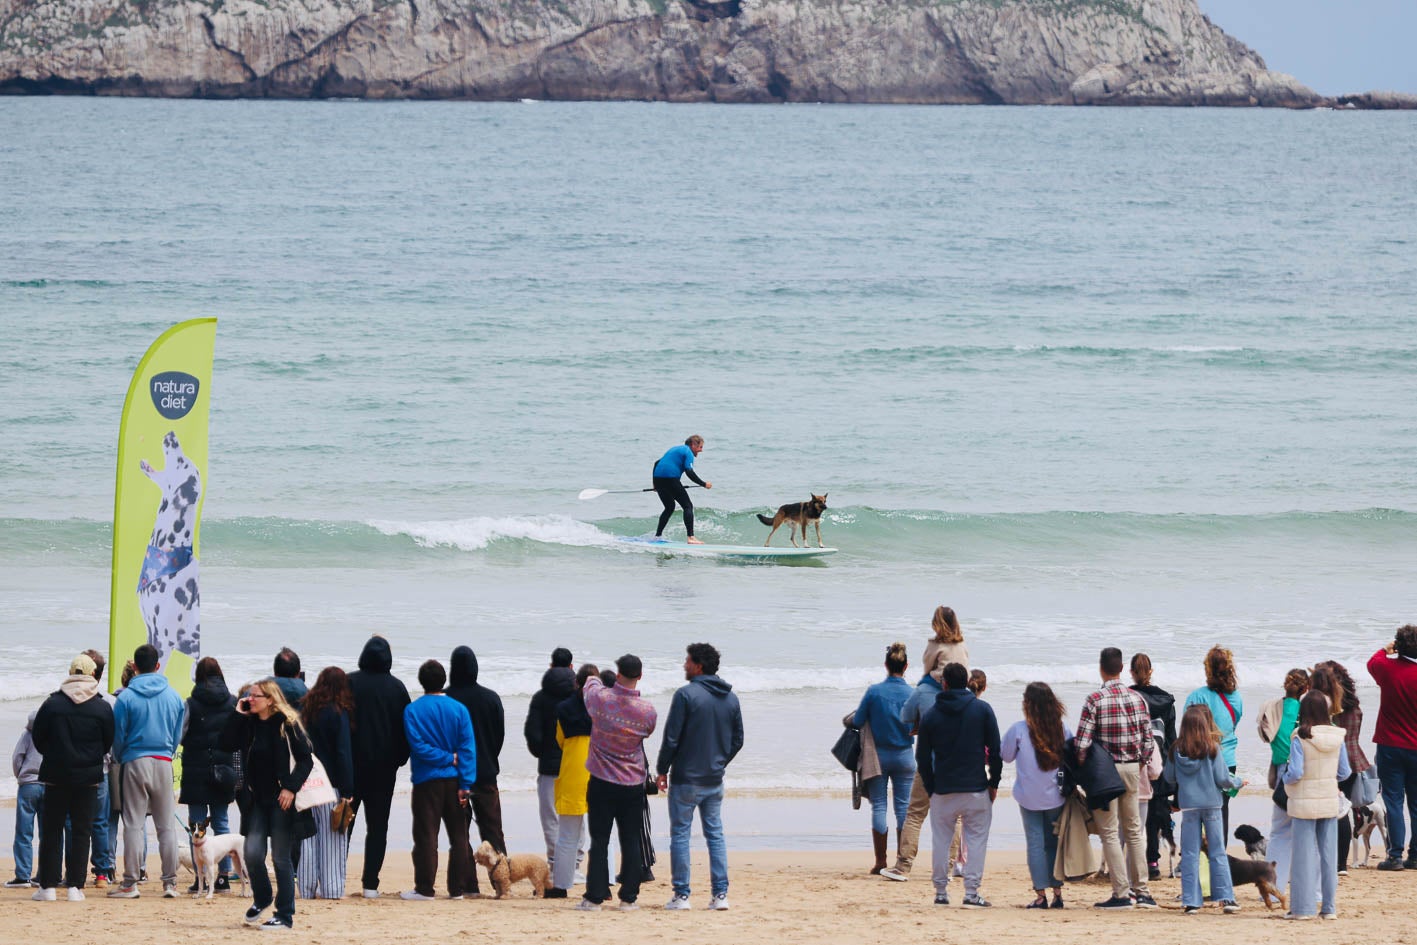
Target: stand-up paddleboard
(758,552)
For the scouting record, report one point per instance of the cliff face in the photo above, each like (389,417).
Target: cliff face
(906,51)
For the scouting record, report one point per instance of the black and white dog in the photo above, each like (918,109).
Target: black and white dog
(168,587)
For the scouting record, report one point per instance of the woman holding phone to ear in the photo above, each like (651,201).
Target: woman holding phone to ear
(277,760)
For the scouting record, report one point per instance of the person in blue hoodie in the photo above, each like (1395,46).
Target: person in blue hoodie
(959,758)
(1201,779)
(147,730)
(703,734)
(908,839)
(880,708)
(442,753)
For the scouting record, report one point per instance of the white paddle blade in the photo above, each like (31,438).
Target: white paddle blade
(592,493)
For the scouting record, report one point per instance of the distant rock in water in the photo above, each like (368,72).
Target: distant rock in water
(1017,52)
(1379,101)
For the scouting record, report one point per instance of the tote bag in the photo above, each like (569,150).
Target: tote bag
(317,789)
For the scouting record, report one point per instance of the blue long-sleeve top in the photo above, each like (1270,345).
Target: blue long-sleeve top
(440,740)
(922,697)
(1200,782)
(1295,769)
(880,707)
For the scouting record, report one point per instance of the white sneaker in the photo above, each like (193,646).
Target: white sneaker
(169,890)
(76,894)
(413,895)
(629,906)
(895,873)
(44,895)
(585,905)
(719,903)
(678,902)
(371,894)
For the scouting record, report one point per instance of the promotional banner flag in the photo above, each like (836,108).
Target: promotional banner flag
(157,504)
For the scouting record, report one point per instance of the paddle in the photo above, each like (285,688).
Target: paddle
(597,493)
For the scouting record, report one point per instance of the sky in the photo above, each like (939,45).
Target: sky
(1332,46)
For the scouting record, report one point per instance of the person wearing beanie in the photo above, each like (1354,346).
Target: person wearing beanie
(73,729)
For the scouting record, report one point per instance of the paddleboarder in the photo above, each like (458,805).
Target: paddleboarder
(673,465)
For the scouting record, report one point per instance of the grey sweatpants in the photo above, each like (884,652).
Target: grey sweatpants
(546,807)
(147,789)
(977,812)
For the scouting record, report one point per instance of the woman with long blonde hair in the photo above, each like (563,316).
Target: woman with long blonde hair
(1035,746)
(278,759)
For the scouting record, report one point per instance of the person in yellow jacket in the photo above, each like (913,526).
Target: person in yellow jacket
(573,735)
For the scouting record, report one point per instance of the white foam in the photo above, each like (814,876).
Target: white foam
(475,534)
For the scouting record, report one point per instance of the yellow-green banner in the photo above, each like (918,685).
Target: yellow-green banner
(157,504)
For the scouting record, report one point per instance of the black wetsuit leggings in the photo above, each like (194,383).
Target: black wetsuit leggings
(669,492)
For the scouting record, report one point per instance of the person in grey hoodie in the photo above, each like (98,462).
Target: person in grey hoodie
(29,804)
(703,734)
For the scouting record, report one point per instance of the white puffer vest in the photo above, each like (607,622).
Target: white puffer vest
(1315,795)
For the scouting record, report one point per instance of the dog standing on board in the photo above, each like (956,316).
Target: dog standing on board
(797,515)
(207,852)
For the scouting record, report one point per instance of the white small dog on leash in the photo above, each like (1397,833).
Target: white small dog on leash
(210,850)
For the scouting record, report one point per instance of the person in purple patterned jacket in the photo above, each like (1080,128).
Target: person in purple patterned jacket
(620,723)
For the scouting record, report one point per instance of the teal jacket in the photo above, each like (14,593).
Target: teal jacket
(1223,720)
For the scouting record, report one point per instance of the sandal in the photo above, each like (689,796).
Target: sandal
(1040,903)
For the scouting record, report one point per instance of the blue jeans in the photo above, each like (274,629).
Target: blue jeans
(1315,845)
(221,824)
(29,805)
(1397,772)
(1042,845)
(684,799)
(102,857)
(897,767)
(268,822)
(1221,889)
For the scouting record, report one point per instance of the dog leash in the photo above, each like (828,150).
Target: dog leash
(191,843)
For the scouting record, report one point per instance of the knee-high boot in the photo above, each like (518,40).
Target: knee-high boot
(879,840)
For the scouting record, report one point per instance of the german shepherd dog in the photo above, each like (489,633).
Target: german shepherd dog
(797,515)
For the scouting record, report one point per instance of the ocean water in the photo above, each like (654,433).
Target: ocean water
(1091,377)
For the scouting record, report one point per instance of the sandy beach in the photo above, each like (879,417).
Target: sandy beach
(776,897)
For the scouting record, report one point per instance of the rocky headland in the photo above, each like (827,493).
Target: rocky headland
(1017,52)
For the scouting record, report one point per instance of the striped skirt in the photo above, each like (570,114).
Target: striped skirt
(322,859)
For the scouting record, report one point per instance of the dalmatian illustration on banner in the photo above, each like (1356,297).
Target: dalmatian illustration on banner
(162,463)
(168,587)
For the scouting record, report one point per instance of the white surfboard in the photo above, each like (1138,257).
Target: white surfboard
(726,551)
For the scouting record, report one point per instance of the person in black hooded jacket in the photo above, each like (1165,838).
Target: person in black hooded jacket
(489,730)
(73,730)
(1161,706)
(557,684)
(380,749)
(208,773)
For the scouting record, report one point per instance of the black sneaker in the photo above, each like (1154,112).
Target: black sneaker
(1116,902)
(253,915)
(195,887)
(975,901)
(942,899)
(1146,902)
(17,883)
(1153,871)
(142,876)
(223,885)
(1193,910)
(1410,863)
(275,924)
(554,893)
(1392,865)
